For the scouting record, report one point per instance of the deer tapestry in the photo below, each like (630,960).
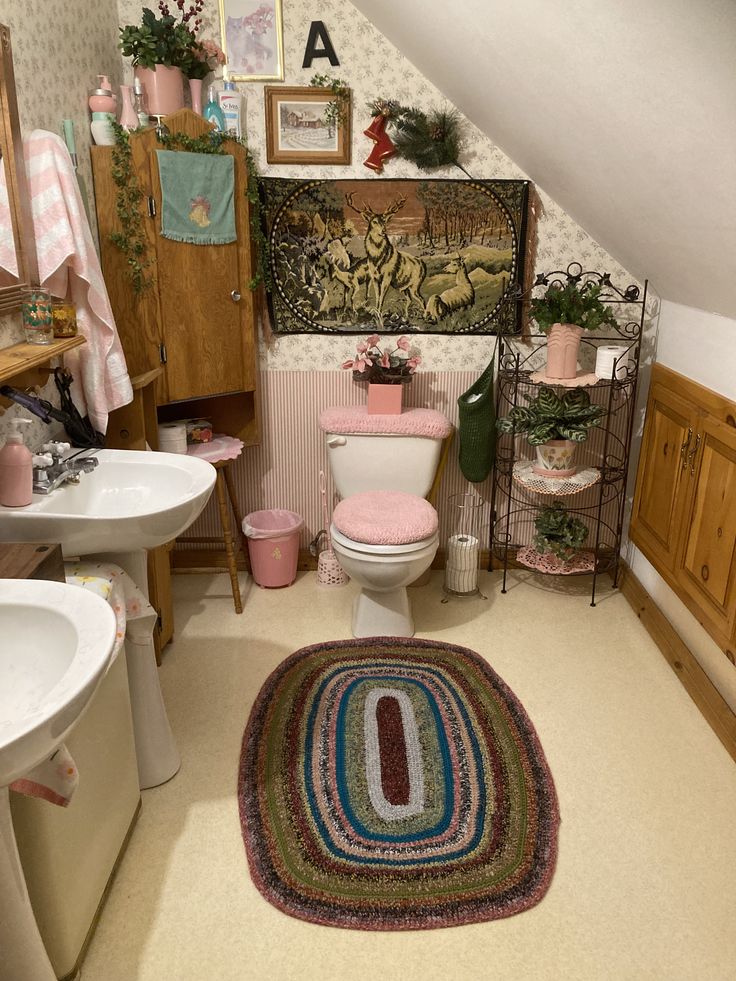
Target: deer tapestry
(432,256)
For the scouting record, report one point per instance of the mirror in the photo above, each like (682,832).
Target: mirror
(16,223)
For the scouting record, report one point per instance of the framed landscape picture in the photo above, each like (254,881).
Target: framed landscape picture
(252,39)
(430,256)
(299,132)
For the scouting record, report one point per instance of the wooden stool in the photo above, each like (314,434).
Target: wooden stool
(225,491)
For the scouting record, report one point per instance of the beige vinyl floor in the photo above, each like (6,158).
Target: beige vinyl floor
(645,886)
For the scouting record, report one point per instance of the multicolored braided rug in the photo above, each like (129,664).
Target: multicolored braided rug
(391,784)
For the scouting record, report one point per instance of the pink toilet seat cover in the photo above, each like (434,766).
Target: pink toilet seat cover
(385,518)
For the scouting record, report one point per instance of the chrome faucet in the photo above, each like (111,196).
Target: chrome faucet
(51,471)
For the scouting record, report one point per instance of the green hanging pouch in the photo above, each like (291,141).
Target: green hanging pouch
(477,425)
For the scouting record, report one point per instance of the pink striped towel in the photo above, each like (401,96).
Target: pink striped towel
(68,266)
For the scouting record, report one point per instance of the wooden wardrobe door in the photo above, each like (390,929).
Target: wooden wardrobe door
(661,485)
(707,569)
(200,312)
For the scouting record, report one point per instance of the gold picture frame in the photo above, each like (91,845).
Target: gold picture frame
(253,39)
(296,128)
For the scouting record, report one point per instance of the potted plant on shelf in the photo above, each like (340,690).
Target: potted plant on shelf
(557,542)
(164,49)
(563,313)
(386,371)
(554,424)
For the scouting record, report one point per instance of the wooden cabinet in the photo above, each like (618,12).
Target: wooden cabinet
(684,518)
(198,319)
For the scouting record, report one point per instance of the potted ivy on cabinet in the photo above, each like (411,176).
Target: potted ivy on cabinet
(563,313)
(554,425)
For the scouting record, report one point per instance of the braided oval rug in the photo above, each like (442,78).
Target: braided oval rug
(392,784)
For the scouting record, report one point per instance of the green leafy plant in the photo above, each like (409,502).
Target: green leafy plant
(572,304)
(558,532)
(131,239)
(336,111)
(551,416)
(167,41)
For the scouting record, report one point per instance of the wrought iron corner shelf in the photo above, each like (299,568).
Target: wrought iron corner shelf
(602,503)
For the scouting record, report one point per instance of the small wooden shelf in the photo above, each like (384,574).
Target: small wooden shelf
(20,358)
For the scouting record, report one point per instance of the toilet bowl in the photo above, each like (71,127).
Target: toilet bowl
(386,563)
(384,533)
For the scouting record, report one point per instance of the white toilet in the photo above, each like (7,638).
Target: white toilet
(383,531)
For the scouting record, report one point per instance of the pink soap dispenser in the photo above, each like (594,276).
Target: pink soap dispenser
(16,468)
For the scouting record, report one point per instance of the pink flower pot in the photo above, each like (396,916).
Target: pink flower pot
(562,350)
(163,89)
(555,458)
(195,90)
(384,400)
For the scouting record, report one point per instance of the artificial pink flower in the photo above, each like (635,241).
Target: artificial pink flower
(372,340)
(362,347)
(348,364)
(403,343)
(385,361)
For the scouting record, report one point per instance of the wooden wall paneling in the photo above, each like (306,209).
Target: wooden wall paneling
(663,473)
(707,566)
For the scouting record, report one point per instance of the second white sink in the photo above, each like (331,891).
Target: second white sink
(131,500)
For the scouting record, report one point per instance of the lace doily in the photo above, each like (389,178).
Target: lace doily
(582,379)
(557,486)
(531,558)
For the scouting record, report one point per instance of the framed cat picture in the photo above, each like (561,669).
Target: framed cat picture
(253,40)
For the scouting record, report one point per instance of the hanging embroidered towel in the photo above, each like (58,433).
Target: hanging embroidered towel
(198,197)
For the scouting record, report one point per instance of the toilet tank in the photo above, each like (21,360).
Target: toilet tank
(383,452)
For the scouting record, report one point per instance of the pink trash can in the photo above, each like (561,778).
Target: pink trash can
(273,546)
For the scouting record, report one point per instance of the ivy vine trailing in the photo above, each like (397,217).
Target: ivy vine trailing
(335,111)
(131,239)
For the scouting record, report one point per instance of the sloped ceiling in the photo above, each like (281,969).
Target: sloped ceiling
(624,112)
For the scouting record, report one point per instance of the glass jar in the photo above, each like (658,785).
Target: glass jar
(38,324)
(65,318)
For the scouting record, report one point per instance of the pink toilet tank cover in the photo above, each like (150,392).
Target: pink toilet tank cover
(385,518)
(411,422)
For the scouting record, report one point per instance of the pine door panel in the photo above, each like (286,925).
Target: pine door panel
(661,484)
(201,322)
(708,560)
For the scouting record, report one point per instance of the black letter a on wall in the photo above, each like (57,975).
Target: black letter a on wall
(318,32)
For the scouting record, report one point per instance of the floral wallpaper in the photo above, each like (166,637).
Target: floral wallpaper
(57,61)
(59,48)
(373,67)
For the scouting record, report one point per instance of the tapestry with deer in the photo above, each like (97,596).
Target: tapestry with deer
(432,256)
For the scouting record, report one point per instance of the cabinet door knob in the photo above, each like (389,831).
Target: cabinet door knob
(235,296)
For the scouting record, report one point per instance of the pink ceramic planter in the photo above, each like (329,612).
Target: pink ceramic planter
(384,400)
(562,350)
(163,88)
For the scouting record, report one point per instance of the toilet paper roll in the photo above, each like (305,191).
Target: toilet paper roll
(172,437)
(461,580)
(605,357)
(462,552)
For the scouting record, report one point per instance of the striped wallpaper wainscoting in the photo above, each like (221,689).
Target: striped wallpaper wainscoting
(284,470)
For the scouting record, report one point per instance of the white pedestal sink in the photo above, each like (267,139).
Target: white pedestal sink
(131,501)
(56,644)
